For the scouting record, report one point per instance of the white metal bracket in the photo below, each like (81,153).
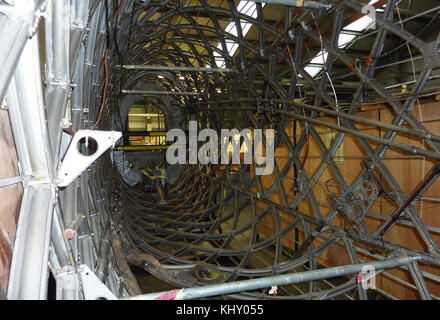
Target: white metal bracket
(67,283)
(93,288)
(86,146)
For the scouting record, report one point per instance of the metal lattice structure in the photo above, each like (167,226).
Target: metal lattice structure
(203,227)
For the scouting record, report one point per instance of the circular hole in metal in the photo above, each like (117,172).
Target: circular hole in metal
(87,146)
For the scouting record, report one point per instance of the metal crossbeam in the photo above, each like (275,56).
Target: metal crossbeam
(178,68)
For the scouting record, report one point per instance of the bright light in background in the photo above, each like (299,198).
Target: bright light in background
(244,7)
(316,64)
(345,38)
(312,69)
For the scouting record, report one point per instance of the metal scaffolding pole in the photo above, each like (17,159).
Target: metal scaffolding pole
(173,93)
(143,148)
(267,282)
(176,68)
(297,3)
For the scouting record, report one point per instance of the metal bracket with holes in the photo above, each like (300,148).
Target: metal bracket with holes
(93,288)
(85,147)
